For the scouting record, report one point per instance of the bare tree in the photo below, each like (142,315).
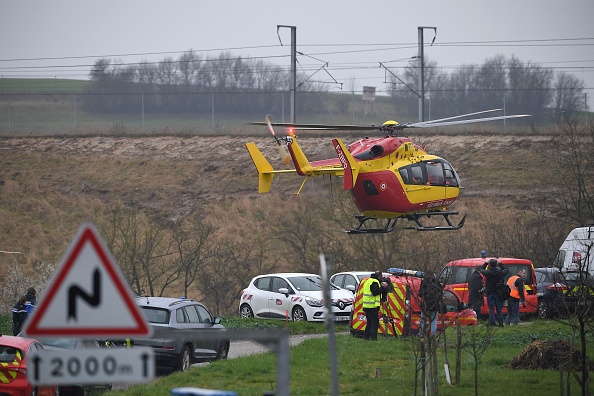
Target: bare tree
(572,155)
(478,340)
(568,96)
(194,246)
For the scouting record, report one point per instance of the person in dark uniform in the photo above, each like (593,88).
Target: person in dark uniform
(494,275)
(19,314)
(31,302)
(476,290)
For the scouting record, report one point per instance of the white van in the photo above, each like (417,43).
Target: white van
(577,251)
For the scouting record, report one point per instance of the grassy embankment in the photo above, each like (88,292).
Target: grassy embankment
(358,361)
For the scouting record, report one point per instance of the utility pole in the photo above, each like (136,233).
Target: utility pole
(293,79)
(422,70)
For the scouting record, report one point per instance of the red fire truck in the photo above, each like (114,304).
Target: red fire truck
(455,274)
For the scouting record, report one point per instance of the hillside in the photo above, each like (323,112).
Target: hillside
(177,176)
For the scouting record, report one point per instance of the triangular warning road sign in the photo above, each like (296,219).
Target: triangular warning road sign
(88,297)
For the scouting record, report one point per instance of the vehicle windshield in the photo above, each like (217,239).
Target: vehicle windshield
(308,283)
(454,275)
(156,315)
(69,343)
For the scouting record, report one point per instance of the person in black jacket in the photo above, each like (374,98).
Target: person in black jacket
(476,290)
(19,314)
(493,276)
(31,298)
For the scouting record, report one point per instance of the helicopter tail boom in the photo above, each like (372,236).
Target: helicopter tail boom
(351,170)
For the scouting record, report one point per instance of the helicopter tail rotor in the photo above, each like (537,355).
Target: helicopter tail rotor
(282,147)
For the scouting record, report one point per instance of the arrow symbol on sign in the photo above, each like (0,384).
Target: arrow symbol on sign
(93,299)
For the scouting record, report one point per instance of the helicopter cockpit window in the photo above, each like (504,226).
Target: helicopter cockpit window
(451,179)
(435,173)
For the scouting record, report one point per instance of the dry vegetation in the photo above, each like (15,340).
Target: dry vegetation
(49,186)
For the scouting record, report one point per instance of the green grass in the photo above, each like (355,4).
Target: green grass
(358,361)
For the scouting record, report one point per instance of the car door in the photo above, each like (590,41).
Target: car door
(279,304)
(261,295)
(200,320)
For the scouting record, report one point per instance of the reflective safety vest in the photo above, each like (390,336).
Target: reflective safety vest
(369,300)
(511,282)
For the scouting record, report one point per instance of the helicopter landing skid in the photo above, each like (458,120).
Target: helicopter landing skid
(391,223)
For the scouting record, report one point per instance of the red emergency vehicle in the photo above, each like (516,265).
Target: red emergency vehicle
(456,273)
(400,315)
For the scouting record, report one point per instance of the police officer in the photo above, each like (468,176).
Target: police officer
(19,314)
(372,291)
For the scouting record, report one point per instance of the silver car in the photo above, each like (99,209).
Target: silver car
(179,328)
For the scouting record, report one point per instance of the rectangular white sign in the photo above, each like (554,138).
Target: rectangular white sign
(90,366)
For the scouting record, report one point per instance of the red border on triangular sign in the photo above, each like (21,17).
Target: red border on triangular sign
(88,234)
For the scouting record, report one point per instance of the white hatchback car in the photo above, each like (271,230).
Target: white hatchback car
(296,295)
(350,280)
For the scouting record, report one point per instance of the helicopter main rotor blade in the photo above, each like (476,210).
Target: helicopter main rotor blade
(321,127)
(474,120)
(459,116)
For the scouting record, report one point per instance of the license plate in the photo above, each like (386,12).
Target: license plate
(341,318)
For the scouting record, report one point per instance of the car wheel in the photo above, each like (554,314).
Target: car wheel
(184,359)
(246,312)
(543,310)
(223,351)
(299,314)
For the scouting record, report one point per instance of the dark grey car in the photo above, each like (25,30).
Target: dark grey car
(559,290)
(179,329)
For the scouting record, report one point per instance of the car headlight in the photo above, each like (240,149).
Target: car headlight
(313,302)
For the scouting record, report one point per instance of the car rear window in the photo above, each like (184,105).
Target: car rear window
(8,354)
(156,315)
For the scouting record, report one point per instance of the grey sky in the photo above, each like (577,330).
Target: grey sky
(540,31)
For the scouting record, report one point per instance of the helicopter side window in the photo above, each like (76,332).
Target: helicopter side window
(412,174)
(404,175)
(435,173)
(416,174)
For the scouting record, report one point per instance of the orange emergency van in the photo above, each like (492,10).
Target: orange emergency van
(456,273)
(400,314)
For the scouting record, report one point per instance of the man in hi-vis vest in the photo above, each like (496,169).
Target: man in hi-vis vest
(372,291)
(517,294)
